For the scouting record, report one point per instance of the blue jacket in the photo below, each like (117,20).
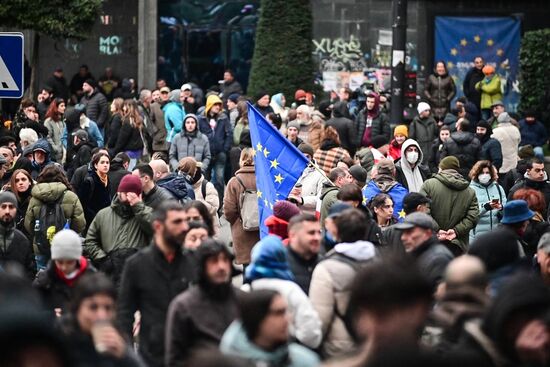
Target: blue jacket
(396,191)
(535,134)
(488,219)
(492,151)
(178,186)
(94,135)
(173,119)
(220,137)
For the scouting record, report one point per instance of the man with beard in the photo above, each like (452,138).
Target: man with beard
(14,246)
(490,147)
(198,317)
(152,278)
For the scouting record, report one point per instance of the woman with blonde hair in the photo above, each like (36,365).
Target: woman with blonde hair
(490,197)
(244,179)
(130,138)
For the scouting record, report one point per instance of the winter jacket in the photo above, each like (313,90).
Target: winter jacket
(173,119)
(212,200)
(542,186)
(149,284)
(465,146)
(473,76)
(327,198)
(490,91)
(432,259)
(36,167)
(156,196)
(387,185)
(78,156)
(421,172)
(56,292)
(509,138)
(395,150)
(488,218)
(117,227)
(243,241)
(50,192)
(97,107)
(129,138)
(229,88)
(328,156)
(343,125)
(236,343)
(311,132)
(380,125)
(305,324)
(116,173)
(440,91)
(94,195)
(435,155)
(329,292)
(491,151)
(55,132)
(196,320)
(366,159)
(453,205)
(312,184)
(94,135)
(159,128)
(219,138)
(302,268)
(533,134)
(424,131)
(178,186)
(114,127)
(189,145)
(16,248)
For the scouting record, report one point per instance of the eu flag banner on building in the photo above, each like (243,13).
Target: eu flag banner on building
(497,39)
(278,164)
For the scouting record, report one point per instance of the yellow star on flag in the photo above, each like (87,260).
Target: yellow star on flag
(490,42)
(278,178)
(259,147)
(402,213)
(454,51)
(500,52)
(477,38)
(254,152)
(259,193)
(364,201)
(450,65)
(463,42)
(266,152)
(274,163)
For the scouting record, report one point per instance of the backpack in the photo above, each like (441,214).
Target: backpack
(51,220)
(203,188)
(249,213)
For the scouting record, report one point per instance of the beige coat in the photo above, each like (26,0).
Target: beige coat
(243,241)
(212,201)
(509,137)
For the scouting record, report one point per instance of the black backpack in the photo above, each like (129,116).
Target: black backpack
(51,220)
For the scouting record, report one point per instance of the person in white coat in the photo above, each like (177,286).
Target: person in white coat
(509,138)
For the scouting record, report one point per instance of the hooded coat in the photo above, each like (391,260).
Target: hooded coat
(453,205)
(490,91)
(424,131)
(178,186)
(190,144)
(509,138)
(220,136)
(388,185)
(466,147)
(380,124)
(41,144)
(490,149)
(173,119)
(411,178)
(343,125)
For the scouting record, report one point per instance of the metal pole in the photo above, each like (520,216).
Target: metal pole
(399,39)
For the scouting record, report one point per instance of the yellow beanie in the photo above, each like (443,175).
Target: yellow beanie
(401,130)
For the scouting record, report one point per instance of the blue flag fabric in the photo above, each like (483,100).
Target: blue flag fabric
(497,39)
(279,164)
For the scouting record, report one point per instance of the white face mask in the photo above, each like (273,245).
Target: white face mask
(484,178)
(412,157)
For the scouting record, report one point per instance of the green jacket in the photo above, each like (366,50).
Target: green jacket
(490,92)
(454,204)
(119,226)
(328,198)
(49,192)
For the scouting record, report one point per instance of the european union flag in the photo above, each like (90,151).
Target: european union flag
(279,164)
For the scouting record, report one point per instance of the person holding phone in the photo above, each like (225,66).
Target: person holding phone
(490,197)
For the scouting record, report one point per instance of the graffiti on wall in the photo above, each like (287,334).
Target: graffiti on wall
(339,54)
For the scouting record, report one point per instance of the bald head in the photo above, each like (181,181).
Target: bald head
(466,270)
(160,169)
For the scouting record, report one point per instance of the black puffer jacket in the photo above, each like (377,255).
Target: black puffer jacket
(97,108)
(466,147)
(439,91)
(344,126)
(129,138)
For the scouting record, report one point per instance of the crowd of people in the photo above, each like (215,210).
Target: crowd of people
(424,243)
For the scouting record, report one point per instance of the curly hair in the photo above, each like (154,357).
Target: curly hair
(478,168)
(534,198)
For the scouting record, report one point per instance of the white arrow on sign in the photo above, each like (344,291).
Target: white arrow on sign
(6,80)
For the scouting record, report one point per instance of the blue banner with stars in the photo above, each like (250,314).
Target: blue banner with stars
(279,164)
(497,39)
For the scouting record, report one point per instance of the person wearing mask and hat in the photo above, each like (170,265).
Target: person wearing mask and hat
(14,245)
(215,124)
(490,90)
(423,129)
(509,138)
(120,230)
(80,153)
(491,149)
(190,143)
(410,172)
(454,204)
(533,132)
(400,134)
(57,281)
(95,103)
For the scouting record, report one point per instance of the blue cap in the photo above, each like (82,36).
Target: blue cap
(516,211)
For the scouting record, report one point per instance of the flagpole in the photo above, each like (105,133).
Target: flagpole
(314,165)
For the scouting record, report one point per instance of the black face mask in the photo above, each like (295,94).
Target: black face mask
(481,137)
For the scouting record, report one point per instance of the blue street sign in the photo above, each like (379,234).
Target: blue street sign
(11,65)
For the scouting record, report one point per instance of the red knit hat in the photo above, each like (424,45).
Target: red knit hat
(285,210)
(130,183)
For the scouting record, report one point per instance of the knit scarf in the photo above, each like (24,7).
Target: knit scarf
(103,178)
